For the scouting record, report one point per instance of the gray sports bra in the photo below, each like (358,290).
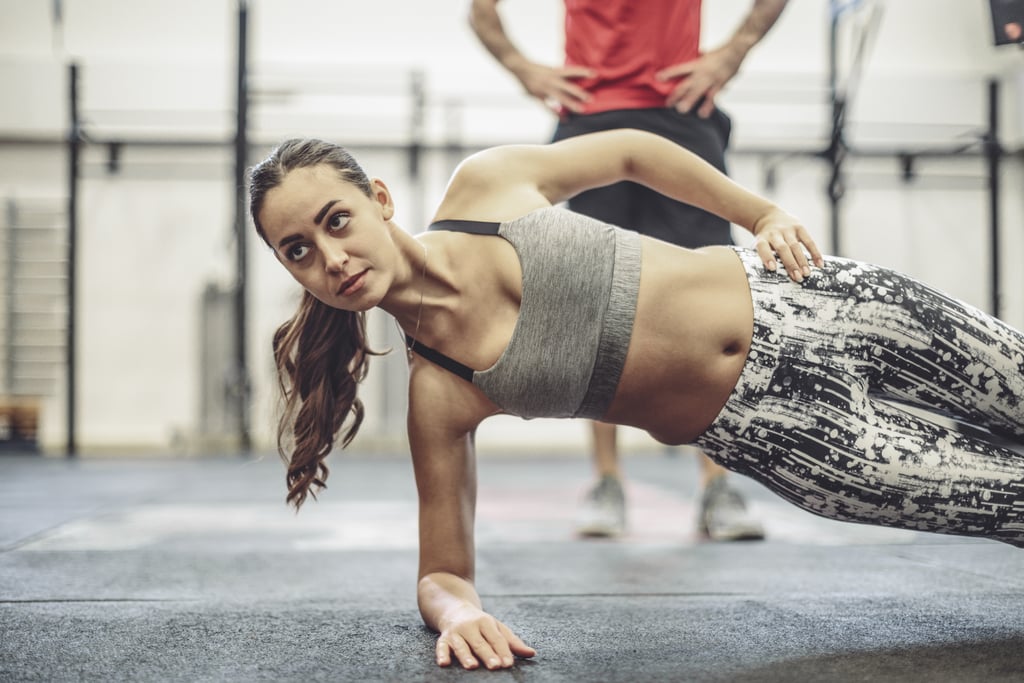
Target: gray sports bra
(580,283)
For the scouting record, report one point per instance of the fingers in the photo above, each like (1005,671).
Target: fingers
(676,70)
(566,93)
(462,650)
(690,92)
(811,246)
(443,652)
(782,238)
(708,106)
(571,96)
(516,644)
(789,250)
(793,258)
(499,646)
(567,81)
(576,72)
(557,87)
(493,645)
(695,82)
(557,103)
(764,250)
(684,94)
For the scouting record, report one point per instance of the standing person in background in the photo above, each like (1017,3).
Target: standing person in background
(639,65)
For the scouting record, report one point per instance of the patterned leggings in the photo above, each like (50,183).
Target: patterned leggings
(840,407)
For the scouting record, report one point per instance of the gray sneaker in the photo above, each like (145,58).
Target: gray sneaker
(724,516)
(603,512)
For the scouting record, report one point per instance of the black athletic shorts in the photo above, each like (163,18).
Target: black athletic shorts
(639,208)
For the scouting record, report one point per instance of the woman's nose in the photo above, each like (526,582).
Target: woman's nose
(335,258)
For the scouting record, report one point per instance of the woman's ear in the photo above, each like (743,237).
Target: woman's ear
(382,195)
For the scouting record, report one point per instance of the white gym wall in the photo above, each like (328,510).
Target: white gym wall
(156,232)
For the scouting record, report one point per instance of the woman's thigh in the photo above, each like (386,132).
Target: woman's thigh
(826,444)
(917,345)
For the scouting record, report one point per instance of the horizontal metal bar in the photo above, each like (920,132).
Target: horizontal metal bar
(752,150)
(23,331)
(42,345)
(21,261)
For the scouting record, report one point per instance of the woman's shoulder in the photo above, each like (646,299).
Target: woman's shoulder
(480,191)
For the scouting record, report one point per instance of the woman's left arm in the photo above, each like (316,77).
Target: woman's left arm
(678,173)
(666,167)
(563,169)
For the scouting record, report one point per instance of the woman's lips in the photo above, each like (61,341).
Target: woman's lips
(352,285)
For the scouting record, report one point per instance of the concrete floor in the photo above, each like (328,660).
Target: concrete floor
(194,570)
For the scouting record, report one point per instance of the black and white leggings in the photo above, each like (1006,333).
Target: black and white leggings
(819,413)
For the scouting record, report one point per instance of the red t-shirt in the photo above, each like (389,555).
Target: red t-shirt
(627,42)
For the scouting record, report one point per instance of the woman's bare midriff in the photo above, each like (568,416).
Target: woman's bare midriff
(693,328)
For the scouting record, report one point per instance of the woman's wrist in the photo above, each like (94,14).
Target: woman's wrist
(765,217)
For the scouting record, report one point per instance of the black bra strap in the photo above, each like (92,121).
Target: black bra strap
(439,358)
(472,227)
(453,366)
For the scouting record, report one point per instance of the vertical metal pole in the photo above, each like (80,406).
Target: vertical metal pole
(57,22)
(10,247)
(993,153)
(836,152)
(74,149)
(417,116)
(241,374)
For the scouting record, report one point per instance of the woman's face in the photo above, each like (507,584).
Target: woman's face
(331,237)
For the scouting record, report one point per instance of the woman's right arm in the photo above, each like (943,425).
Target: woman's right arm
(443,416)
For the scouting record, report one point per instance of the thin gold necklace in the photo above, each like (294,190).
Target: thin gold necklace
(419,311)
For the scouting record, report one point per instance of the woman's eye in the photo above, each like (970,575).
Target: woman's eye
(298,252)
(337,222)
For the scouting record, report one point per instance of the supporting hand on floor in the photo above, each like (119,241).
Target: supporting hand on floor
(474,637)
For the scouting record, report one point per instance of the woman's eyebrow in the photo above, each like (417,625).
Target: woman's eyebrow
(323,212)
(288,240)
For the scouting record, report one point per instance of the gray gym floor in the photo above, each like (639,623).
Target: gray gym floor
(194,570)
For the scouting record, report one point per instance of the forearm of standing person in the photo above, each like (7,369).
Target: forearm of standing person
(553,86)
(762,16)
(700,80)
(486,24)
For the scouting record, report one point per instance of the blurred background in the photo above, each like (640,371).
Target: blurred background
(137,305)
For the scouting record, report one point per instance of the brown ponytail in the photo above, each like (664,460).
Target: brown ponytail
(321,355)
(321,352)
